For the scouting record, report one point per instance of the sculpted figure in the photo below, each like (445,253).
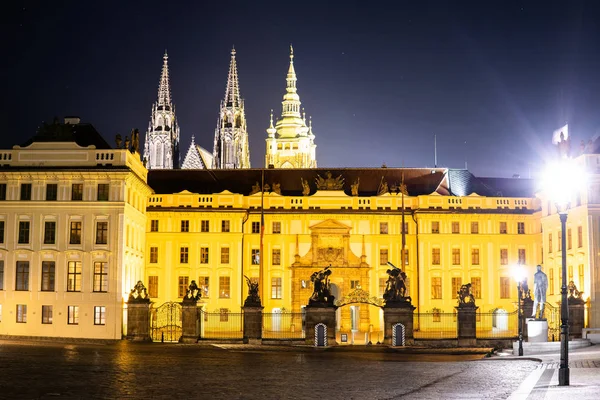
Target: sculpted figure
(383,187)
(354,187)
(253,298)
(465,297)
(255,188)
(395,289)
(305,187)
(321,292)
(277,188)
(540,285)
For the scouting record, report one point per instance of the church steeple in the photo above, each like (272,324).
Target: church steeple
(290,144)
(231,137)
(161,146)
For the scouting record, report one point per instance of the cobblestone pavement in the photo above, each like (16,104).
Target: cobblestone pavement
(156,371)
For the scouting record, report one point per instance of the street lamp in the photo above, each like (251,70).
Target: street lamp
(562,181)
(519,274)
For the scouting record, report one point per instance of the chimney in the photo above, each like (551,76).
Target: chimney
(72,120)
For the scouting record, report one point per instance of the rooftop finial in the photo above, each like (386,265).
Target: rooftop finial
(291,53)
(233,51)
(271,118)
(166,56)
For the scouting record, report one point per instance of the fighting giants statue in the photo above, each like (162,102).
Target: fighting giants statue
(465,296)
(395,289)
(321,294)
(540,285)
(253,299)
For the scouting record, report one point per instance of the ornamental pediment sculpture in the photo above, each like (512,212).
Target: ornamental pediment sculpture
(329,183)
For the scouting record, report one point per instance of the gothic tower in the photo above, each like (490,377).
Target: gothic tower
(231,138)
(161,146)
(291,143)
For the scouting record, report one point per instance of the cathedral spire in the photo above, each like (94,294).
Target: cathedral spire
(232,91)
(161,145)
(164,86)
(231,138)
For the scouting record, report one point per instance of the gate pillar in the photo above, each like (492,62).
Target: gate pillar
(190,315)
(252,323)
(138,314)
(576,317)
(320,315)
(190,323)
(395,313)
(467,325)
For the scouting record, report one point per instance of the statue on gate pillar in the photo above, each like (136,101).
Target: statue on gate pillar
(322,292)
(253,299)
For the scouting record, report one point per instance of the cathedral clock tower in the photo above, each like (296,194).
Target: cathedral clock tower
(291,143)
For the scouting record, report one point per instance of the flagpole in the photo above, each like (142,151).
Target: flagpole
(262,233)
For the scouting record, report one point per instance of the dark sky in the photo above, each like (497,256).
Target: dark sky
(492,79)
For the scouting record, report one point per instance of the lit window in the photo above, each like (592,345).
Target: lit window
(224,287)
(522,257)
(383,256)
(503,228)
(474,227)
(255,227)
(475,256)
(455,256)
(276,288)
(456,284)
(383,228)
(46,314)
(224,255)
(255,256)
(75,233)
(203,255)
(153,255)
(184,283)
(22,278)
(455,227)
(101,232)
(48,273)
(99,315)
(435,256)
(74,276)
(276,227)
(276,257)
(476,287)
(521,228)
(183,255)
(435,227)
(204,285)
(503,256)
(154,225)
(21,313)
(100,277)
(436,288)
(185,225)
(153,286)
(73,315)
(204,226)
(225,225)
(504,287)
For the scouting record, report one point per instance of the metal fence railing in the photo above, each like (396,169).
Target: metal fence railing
(498,324)
(287,325)
(221,325)
(434,325)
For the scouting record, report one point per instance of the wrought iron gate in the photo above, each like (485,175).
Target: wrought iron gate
(165,322)
(552,315)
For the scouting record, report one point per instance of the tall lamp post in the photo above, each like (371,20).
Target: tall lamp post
(519,275)
(562,181)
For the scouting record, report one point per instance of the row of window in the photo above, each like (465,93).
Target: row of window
(184,255)
(225,226)
(456,259)
(581,281)
(102,193)
(502,228)
(569,239)
(50,229)
(48,276)
(204,285)
(48,314)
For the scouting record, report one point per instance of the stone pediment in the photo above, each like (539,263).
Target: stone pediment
(331,225)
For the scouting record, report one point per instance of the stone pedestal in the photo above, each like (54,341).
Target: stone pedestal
(527,311)
(190,322)
(138,321)
(398,313)
(316,315)
(576,318)
(467,325)
(537,330)
(253,319)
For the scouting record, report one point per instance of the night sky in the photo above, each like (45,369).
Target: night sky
(492,79)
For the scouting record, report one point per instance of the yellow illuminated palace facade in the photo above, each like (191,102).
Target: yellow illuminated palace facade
(81,222)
